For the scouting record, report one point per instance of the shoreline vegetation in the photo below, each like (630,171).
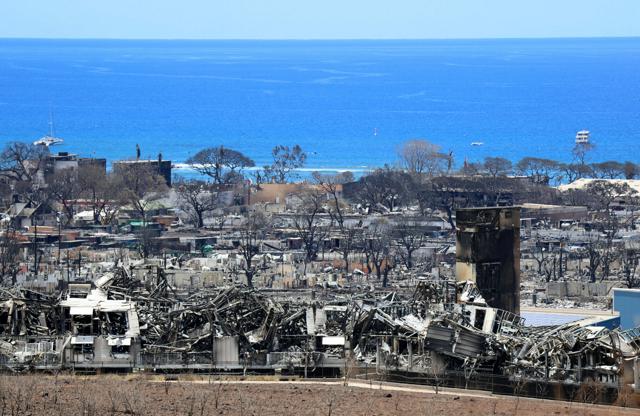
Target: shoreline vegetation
(423,157)
(421,175)
(221,164)
(224,165)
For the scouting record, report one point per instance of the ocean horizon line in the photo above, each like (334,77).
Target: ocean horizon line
(337,39)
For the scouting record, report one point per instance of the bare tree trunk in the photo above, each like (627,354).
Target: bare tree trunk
(345,257)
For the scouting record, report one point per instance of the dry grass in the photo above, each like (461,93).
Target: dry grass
(152,395)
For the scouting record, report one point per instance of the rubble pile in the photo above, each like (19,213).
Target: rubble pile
(441,326)
(24,312)
(472,337)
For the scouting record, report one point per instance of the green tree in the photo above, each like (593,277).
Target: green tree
(221,164)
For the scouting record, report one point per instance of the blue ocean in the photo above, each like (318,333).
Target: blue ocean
(349,104)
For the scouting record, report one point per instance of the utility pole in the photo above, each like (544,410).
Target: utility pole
(59,221)
(35,250)
(68,271)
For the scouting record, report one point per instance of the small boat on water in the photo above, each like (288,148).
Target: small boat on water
(49,139)
(582,137)
(477,143)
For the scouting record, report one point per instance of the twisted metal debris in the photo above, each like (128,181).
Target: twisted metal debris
(121,322)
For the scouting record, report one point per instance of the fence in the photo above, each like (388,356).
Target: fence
(587,392)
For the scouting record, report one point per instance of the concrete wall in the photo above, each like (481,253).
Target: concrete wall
(580,289)
(226,351)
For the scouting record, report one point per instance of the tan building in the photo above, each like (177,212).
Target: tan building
(277,193)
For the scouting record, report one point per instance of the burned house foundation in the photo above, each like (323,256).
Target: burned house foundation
(465,332)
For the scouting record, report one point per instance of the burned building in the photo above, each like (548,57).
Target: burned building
(128,324)
(55,163)
(488,253)
(159,166)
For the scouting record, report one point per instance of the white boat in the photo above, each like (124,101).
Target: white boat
(582,137)
(477,143)
(49,139)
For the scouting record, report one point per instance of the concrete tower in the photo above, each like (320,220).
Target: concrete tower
(488,253)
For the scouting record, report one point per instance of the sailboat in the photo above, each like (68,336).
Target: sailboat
(50,139)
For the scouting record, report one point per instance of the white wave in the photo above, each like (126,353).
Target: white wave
(360,169)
